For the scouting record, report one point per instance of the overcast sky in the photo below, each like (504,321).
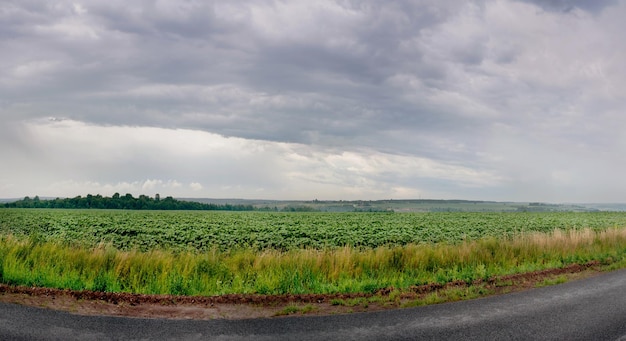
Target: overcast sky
(347,99)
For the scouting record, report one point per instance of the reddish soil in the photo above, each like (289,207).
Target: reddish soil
(255,306)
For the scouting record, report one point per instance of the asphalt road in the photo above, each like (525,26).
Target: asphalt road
(589,309)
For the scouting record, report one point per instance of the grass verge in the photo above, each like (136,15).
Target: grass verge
(32,262)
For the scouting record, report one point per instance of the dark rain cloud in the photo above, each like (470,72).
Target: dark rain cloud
(451,81)
(569,5)
(89,57)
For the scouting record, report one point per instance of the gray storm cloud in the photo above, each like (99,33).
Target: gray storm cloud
(498,100)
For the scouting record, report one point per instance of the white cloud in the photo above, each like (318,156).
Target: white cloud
(214,165)
(150,184)
(195,186)
(71,188)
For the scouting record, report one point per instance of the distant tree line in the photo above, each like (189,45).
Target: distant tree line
(126,202)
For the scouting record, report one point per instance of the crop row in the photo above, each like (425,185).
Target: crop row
(187,230)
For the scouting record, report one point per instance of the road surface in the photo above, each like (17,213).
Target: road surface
(589,309)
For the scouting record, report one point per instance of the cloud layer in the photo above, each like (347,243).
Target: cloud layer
(494,100)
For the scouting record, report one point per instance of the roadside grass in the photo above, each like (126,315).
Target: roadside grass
(34,262)
(295,309)
(447,295)
(552,281)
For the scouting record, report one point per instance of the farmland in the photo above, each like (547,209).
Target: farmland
(213,253)
(201,231)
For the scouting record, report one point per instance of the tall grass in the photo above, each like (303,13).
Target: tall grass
(33,262)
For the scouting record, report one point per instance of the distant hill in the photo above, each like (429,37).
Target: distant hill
(606,207)
(415,205)
(404,205)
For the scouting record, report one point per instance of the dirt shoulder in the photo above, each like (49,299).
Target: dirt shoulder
(263,306)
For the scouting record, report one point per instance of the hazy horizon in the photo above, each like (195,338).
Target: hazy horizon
(319,199)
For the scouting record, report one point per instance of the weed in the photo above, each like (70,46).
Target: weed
(553,281)
(291,309)
(307,309)
(337,301)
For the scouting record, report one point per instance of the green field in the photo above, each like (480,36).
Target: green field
(211,253)
(193,230)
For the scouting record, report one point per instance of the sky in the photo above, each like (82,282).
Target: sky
(330,100)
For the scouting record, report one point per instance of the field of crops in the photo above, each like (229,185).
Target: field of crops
(187,230)
(215,253)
